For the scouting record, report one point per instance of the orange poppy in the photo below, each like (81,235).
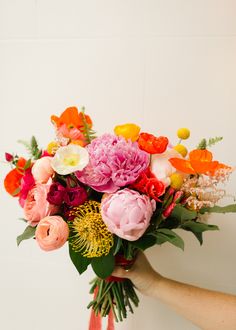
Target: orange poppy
(199,162)
(152,144)
(12,181)
(71,118)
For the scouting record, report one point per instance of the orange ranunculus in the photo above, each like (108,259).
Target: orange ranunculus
(199,162)
(12,180)
(152,144)
(71,118)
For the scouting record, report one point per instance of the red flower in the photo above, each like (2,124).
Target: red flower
(148,184)
(152,144)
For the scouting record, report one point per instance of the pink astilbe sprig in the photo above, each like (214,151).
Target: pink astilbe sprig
(114,163)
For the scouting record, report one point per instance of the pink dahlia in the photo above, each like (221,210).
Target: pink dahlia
(114,163)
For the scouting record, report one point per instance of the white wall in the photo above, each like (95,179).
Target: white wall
(160,63)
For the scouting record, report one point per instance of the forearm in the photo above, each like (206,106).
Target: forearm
(207,309)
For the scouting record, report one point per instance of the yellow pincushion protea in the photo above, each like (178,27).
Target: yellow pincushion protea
(89,234)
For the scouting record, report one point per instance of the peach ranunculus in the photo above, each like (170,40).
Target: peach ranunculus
(42,169)
(51,233)
(36,206)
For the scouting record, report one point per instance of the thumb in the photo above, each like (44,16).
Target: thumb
(121,272)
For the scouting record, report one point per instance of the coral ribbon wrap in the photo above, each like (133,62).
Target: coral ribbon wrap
(95,322)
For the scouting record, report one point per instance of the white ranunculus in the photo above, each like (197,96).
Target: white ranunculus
(161,167)
(69,159)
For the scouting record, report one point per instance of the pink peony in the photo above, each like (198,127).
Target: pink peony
(36,206)
(114,163)
(127,213)
(51,233)
(42,169)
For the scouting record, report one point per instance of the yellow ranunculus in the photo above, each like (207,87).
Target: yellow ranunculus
(128,131)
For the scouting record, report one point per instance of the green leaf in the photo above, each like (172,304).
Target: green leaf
(88,132)
(81,263)
(117,245)
(197,228)
(166,235)
(22,219)
(182,214)
(198,237)
(32,147)
(103,266)
(29,232)
(27,164)
(145,242)
(214,140)
(219,209)
(204,144)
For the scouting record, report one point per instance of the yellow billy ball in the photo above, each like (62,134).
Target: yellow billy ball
(176,180)
(52,147)
(183,133)
(182,150)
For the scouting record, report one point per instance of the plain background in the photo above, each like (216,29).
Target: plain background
(162,64)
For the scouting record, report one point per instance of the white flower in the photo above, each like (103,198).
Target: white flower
(161,167)
(69,159)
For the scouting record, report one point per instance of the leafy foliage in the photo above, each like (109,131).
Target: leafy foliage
(145,242)
(219,209)
(81,263)
(204,144)
(29,232)
(32,148)
(167,235)
(182,214)
(103,266)
(197,228)
(88,132)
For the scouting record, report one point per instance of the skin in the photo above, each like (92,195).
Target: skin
(209,310)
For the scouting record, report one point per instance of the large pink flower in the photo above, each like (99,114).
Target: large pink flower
(51,233)
(127,213)
(36,206)
(114,163)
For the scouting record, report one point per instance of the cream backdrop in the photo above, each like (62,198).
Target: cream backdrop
(162,64)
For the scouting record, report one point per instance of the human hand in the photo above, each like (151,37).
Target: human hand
(143,276)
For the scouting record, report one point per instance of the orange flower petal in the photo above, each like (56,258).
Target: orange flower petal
(182,165)
(218,167)
(12,182)
(152,144)
(71,118)
(201,155)
(203,167)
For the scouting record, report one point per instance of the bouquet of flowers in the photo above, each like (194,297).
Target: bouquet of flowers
(112,196)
